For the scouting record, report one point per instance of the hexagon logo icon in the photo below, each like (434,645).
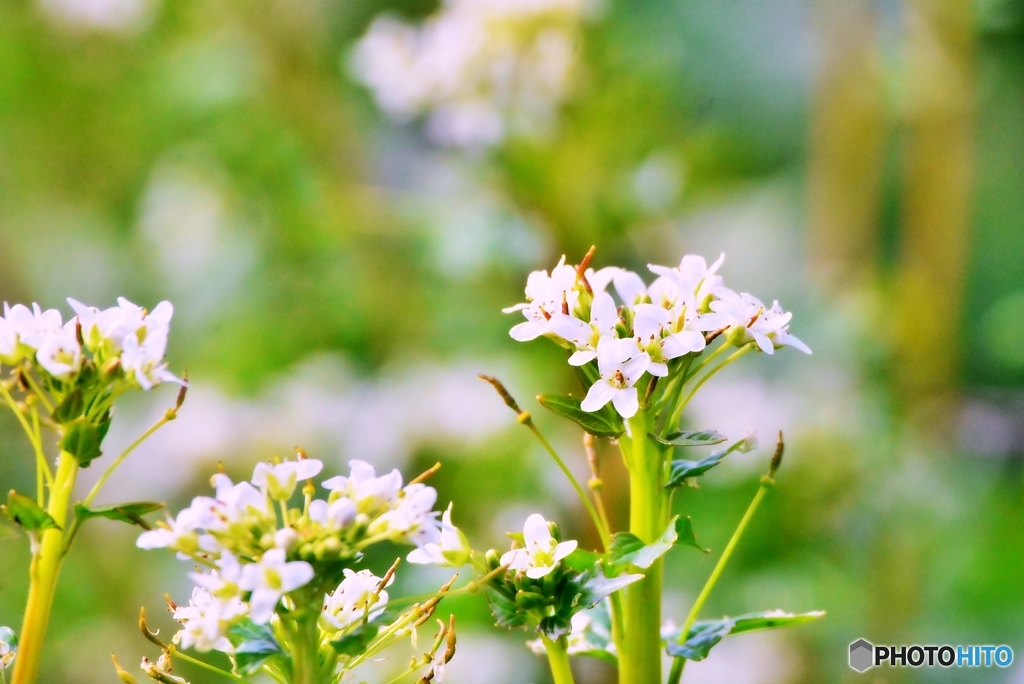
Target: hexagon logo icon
(861,655)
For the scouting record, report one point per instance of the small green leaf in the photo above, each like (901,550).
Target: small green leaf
(82,440)
(356,641)
(581,560)
(596,588)
(683,469)
(705,634)
(603,423)
(690,438)
(24,511)
(503,608)
(254,645)
(628,549)
(69,409)
(130,513)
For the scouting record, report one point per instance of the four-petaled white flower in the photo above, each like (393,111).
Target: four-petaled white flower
(223,583)
(452,550)
(546,295)
(621,363)
(542,553)
(60,354)
(205,621)
(603,319)
(270,579)
(355,599)
(279,479)
(370,493)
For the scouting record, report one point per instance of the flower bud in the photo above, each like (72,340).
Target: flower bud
(492,559)
(556,533)
(737,336)
(286,539)
(749,442)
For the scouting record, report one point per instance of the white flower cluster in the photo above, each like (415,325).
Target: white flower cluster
(256,557)
(477,69)
(127,333)
(648,327)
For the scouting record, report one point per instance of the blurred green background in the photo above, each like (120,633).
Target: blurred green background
(338,277)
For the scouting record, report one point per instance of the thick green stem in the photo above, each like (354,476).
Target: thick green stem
(44,571)
(640,658)
(677,665)
(558,657)
(306,651)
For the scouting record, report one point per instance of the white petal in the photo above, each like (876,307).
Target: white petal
(570,328)
(630,287)
(526,331)
(625,402)
(658,369)
(538,572)
(582,357)
(516,559)
(564,549)
(295,574)
(764,343)
(536,531)
(600,394)
(635,367)
(262,605)
(603,314)
(307,468)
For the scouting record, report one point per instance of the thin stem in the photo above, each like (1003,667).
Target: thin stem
(558,657)
(707,376)
(606,538)
(168,416)
(37,391)
(212,668)
(677,665)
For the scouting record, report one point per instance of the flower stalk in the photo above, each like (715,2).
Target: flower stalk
(558,658)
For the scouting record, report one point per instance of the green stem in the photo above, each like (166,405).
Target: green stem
(677,665)
(43,575)
(558,657)
(640,657)
(606,538)
(212,668)
(306,651)
(707,376)
(168,416)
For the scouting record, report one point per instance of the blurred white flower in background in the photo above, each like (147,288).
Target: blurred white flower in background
(103,15)
(477,70)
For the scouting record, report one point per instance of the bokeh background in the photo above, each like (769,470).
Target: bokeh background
(339,205)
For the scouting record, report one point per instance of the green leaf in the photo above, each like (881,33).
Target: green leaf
(682,469)
(628,549)
(503,608)
(24,511)
(581,560)
(356,641)
(82,440)
(130,513)
(71,408)
(690,438)
(254,646)
(603,423)
(706,633)
(598,587)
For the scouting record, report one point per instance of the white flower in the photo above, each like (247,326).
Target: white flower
(542,553)
(236,502)
(748,319)
(181,533)
(453,549)
(336,515)
(370,493)
(603,319)
(412,516)
(664,338)
(8,343)
(205,621)
(630,287)
(60,354)
(8,646)
(545,296)
(355,598)
(270,579)
(693,275)
(280,479)
(621,364)
(222,583)
(33,325)
(145,359)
